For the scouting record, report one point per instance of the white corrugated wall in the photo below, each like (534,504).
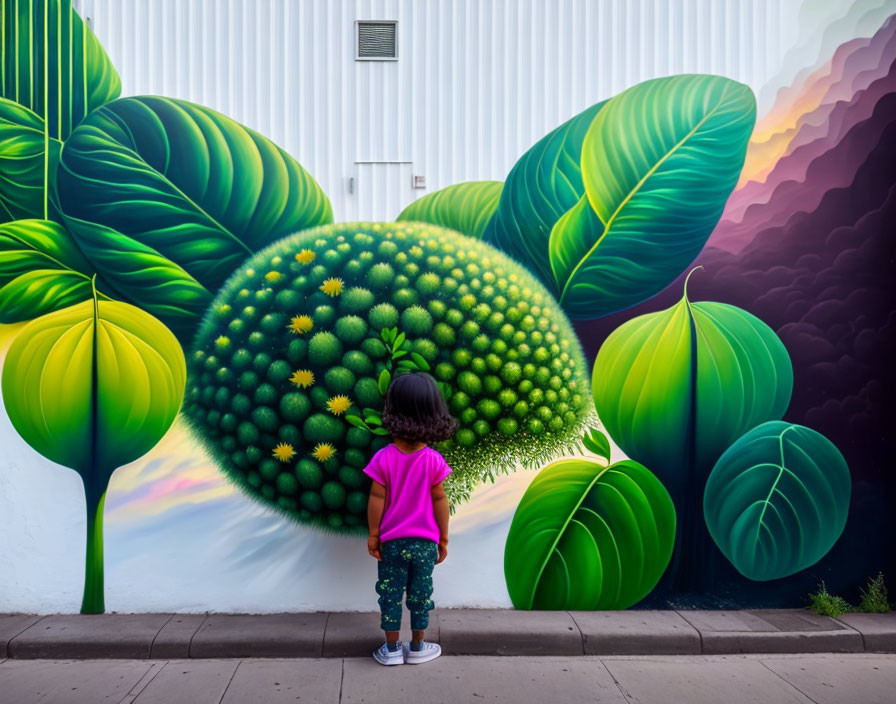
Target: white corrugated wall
(476,83)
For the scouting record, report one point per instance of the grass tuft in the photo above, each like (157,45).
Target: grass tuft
(824,603)
(874,597)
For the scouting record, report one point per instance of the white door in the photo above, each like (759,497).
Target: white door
(382,190)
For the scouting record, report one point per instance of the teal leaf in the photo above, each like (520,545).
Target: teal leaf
(542,186)
(777,500)
(640,186)
(586,536)
(464,207)
(172,180)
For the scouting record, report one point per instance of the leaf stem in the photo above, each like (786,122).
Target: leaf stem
(687,278)
(93,601)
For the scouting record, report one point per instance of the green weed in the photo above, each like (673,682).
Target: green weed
(874,597)
(824,603)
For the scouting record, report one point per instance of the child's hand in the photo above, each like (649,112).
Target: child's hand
(373,547)
(443,550)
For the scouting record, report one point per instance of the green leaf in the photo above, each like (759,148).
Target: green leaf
(399,354)
(379,431)
(543,185)
(183,187)
(373,419)
(398,341)
(53,64)
(586,537)
(597,442)
(357,422)
(465,207)
(777,500)
(384,381)
(612,206)
(407,365)
(120,372)
(675,388)
(420,361)
(28,160)
(138,273)
(41,270)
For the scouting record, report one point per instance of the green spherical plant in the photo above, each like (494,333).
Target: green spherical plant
(292,361)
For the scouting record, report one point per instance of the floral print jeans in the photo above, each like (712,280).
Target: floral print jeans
(407,564)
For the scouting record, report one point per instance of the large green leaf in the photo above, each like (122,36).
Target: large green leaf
(93,386)
(465,207)
(675,388)
(543,185)
(586,536)
(53,64)
(41,270)
(182,195)
(640,183)
(28,158)
(777,500)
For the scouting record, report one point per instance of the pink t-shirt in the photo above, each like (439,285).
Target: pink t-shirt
(408,478)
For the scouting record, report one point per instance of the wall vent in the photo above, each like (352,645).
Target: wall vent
(377,40)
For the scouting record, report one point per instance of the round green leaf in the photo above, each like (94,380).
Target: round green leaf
(93,386)
(777,500)
(53,64)
(465,207)
(154,179)
(677,387)
(613,205)
(41,270)
(586,536)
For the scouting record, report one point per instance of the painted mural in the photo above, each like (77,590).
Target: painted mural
(665,335)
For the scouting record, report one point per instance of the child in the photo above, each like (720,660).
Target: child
(408,512)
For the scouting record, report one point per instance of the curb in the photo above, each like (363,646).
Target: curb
(459,631)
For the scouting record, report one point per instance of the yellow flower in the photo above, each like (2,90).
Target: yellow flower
(284,452)
(301,324)
(332,287)
(273,276)
(323,452)
(303,378)
(339,405)
(306,256)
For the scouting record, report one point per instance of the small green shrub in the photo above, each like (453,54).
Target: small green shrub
(826,604)
(874,597)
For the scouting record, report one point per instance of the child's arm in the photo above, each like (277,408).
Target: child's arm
(440,508)
(375,507)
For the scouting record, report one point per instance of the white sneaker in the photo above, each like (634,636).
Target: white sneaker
(384,656)
(427,652)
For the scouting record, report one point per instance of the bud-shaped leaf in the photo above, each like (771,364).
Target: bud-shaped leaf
(675,388)
(94,386)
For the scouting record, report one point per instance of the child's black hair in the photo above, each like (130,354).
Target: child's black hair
(416,411)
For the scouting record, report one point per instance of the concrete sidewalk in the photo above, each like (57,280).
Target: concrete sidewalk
(697,679)
(460,632)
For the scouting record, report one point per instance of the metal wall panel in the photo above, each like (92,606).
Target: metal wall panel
(476,82)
